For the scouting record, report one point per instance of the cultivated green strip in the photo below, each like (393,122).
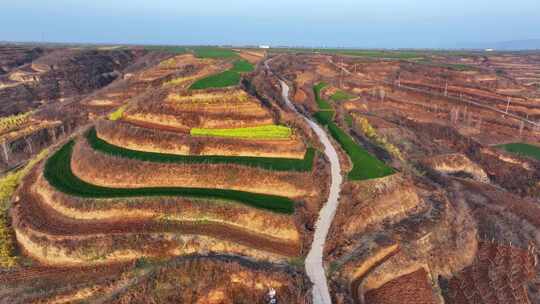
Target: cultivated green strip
(220,80)
(242,66)
(341,96)
(212,52)
(323,104)
(177,50)
(224,79)
(258,132)
(59,174)
(522,149)
(270,163)
(365,166)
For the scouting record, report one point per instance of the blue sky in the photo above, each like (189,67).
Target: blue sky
(336,23)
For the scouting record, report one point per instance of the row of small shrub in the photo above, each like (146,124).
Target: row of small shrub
(370,133)
(12,122)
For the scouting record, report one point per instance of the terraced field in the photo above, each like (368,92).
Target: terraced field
(173,122)
(59,174)
(280,164)
(122,191)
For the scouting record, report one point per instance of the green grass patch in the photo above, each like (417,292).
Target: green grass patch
(242,66)
(522,149)
(341,96)
(270,163)
(167,49)
(224,79)
(259,132)
(349,120)
(214,52)
(324,117)
(221,80)
(59,174)
(324,105)
(365,166)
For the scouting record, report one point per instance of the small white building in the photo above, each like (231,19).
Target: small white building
(489,50)
(264,46)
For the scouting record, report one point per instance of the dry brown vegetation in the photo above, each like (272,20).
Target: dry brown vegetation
(499,274)
(185,280)
(412,288)
(455,164)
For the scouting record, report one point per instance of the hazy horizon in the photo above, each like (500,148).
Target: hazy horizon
(315,23)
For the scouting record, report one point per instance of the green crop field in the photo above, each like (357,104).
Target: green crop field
(59,174)
(213,52)
(224,79)
(326,112)
(242,66)
(221,80)
(167,49)
(523,149)
(260,132)
(365,165)
(324,105)
(276,164)
(341,96)
(324,117)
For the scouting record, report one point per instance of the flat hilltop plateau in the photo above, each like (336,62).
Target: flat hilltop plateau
(198,175)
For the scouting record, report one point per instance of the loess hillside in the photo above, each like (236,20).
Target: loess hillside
(180,174)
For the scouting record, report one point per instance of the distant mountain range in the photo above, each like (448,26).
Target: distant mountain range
(512,45)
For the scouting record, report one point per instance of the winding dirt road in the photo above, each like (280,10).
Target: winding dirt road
(314,259)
